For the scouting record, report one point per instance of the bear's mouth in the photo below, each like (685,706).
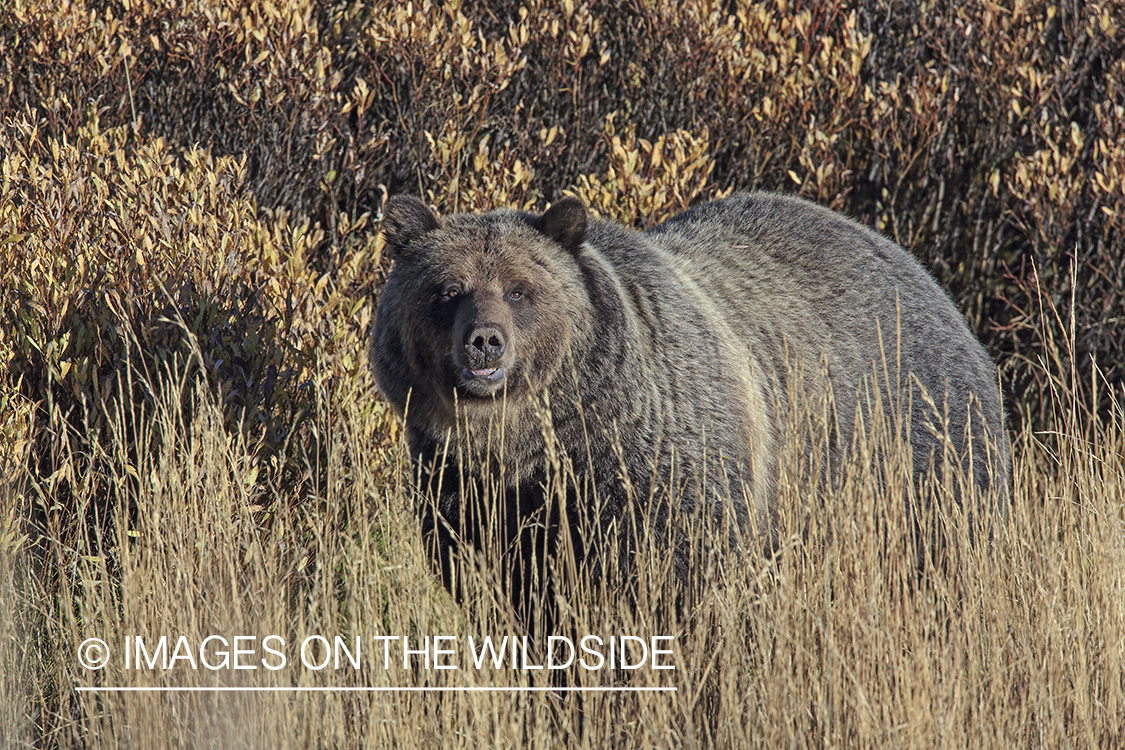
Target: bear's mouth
(489,374)
(482,383)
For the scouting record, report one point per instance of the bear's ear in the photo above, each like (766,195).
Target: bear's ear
(405,219)
(565,223)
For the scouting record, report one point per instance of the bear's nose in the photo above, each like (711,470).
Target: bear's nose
(484,346)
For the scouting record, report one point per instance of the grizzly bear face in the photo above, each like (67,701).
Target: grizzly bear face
(478,311)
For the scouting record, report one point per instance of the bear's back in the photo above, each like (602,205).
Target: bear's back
(805,263)
(805,287)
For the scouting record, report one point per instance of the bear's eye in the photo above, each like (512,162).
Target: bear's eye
(515,295)
(451,292)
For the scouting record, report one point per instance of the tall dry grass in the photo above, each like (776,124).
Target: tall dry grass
(840,640)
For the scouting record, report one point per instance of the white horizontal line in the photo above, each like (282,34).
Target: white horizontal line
(375,689)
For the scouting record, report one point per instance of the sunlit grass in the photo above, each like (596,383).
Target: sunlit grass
(843,638)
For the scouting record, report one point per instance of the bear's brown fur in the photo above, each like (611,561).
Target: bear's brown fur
(662,361)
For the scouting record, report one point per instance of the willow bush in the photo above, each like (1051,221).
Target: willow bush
(985,138)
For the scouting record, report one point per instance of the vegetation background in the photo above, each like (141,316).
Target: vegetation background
(190,442)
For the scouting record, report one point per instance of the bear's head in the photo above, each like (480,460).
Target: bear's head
(477,309)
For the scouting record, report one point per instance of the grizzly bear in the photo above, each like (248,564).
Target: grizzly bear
(661,367)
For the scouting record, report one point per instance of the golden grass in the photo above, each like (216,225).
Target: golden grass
(839,641)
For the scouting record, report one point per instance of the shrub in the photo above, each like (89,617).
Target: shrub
(123,265)
(986,139)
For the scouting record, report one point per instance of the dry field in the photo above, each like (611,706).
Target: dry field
(839,641)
